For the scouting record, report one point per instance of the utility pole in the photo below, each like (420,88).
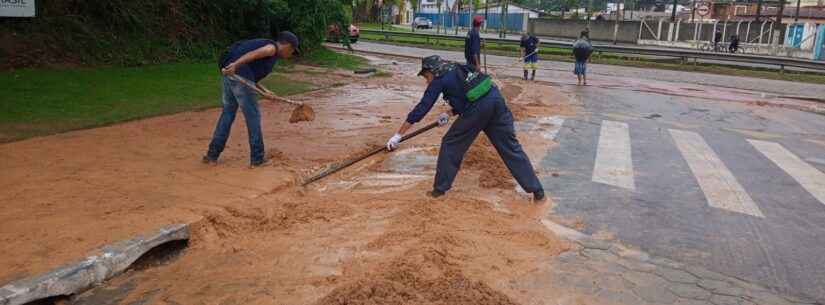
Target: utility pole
(673,12)
(779,15)
(758,10)
(796,15)
(693,12)
(616,25)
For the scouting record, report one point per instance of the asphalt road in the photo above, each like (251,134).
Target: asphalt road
(682,178)
(683,169)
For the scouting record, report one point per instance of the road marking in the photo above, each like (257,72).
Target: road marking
(808,176)
(614,165)
(717,182)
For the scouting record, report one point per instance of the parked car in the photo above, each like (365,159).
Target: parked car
(422,23)
(334,33)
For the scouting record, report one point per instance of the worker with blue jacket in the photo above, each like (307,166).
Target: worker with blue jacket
(488,113)
(252,60)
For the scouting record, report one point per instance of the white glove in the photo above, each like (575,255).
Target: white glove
(443,119)
(392,144)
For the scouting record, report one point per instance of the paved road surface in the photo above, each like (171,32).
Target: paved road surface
(714,182)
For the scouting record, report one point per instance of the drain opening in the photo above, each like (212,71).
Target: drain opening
(162,254)
(55,300)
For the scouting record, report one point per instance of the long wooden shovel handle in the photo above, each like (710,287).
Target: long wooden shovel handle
(337,167)
(263,91)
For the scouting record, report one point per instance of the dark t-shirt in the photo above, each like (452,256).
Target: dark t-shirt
(472,45)
(582,49)
(529,44)
(255,70)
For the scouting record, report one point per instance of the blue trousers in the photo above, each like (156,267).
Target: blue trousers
(235,94)
(491,115)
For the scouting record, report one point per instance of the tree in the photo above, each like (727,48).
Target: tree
(438,26)
(414,4)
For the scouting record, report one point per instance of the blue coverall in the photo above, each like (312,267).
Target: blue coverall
(489,114)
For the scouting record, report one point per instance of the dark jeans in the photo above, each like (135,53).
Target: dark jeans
(491,115)
(236,94)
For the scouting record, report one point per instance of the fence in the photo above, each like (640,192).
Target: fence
(515,22)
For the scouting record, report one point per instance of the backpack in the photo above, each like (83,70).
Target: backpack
(476,84)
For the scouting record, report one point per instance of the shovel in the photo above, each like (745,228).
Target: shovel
(346,163)
(302,112)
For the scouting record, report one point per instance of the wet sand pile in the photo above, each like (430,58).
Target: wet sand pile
(483,157)
(446,252)
(303,113)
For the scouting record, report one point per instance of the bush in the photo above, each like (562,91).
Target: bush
(128,32)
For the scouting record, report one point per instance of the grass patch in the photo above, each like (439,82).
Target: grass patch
(327,58)
(559,54)
(40,102)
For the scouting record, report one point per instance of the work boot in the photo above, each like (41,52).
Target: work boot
(525,74)
(435,193)
(538,195)
(533,77)
(209,160)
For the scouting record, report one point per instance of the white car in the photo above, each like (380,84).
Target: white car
(422,23)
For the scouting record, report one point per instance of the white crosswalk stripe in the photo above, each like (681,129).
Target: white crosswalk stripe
(715,179)
(809,177)
(614,164)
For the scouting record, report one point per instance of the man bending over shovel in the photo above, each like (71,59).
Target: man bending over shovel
(252,60)
(480,107)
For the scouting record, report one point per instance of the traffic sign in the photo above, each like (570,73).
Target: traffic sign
(703,8)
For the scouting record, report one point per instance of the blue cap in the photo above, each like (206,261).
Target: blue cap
(290,38)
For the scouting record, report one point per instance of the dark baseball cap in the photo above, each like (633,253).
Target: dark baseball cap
(290,38)
(429,63)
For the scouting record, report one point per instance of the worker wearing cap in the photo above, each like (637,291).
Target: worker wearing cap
(530,53)
(472,44)
(489,114)
(253,60)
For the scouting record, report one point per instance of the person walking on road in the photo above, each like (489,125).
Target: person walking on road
(252,60)
(581,52)
(530,53)
(717,39)
(472,45)
(488,112)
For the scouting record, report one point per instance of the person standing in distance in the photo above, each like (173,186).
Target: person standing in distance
(530,53)
(472,45)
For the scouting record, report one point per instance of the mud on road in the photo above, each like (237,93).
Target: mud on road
(368,235)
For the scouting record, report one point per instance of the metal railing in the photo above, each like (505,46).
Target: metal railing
(685,54)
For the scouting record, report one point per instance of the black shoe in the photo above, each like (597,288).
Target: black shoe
(538,195)
(435,193)
(208,160)
(259,163)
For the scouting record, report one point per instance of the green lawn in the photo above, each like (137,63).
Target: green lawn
(558,54)
(46,101)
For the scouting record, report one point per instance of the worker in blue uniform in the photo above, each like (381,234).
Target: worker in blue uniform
(472,44)
(253,60)
(488,114)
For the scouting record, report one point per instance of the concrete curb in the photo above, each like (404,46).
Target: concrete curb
(99,266)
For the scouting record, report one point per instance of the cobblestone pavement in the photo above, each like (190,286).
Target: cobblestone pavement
(617,274)
(562,72)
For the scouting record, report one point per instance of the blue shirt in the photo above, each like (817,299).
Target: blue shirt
(257,69)
(472,46)
(529,44)
(452,87)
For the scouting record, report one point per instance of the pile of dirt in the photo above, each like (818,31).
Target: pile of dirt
(407,282)
(232,221)
(303,113)
(483,157)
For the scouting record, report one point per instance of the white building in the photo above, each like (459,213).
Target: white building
(511,9)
